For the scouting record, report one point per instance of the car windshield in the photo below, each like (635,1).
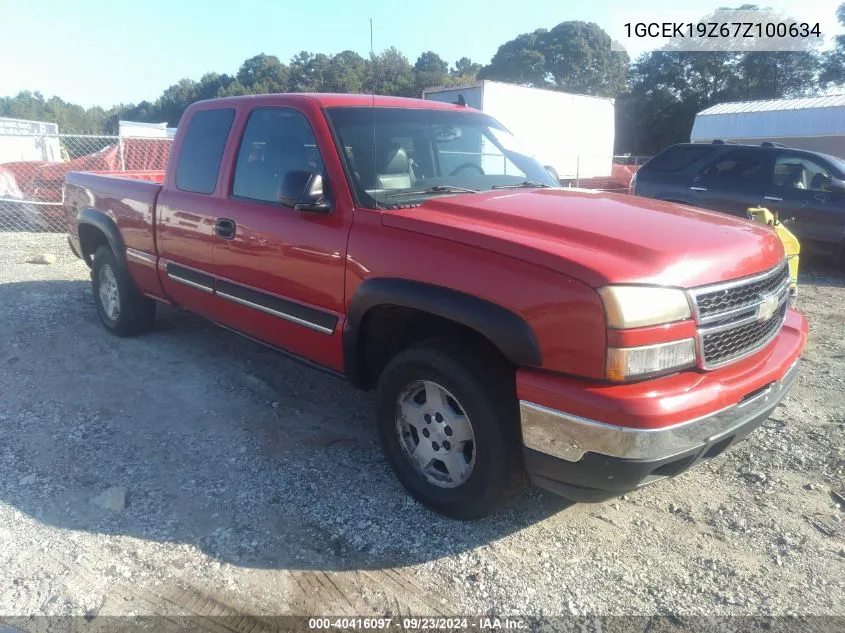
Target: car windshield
(405,156)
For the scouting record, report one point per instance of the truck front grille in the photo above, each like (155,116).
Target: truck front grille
(730,344)
(740,317)
(731,297)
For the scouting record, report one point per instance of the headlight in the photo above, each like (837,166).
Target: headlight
(627,363)
(639,306)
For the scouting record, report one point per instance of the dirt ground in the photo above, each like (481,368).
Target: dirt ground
(192,471)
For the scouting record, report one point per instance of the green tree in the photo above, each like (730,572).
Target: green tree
(430,70)
(464,71)
(393,73)
(773,75)
(264,74)
(833,62)
(578,59)
(347,72)
(573,56)
(69,117)
(308,72)
(519,61)
(173,101)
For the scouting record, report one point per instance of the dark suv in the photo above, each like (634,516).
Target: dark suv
(729,177)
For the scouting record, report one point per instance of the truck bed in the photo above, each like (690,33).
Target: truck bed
(129,198)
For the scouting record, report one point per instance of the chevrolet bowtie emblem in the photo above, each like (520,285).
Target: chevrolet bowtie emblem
(767,307)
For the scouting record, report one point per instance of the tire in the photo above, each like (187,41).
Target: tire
(135,314)
(488,468)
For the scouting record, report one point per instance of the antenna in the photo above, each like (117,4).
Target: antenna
(373,64)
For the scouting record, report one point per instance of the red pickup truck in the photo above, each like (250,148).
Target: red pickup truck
(595,341)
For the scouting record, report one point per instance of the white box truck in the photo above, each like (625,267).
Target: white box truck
(572,133)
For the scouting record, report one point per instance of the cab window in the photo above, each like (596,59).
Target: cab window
(276,143)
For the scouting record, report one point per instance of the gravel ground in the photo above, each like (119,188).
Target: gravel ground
(191,471)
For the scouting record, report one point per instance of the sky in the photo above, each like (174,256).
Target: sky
(105,52)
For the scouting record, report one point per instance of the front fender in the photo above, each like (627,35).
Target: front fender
(506,330)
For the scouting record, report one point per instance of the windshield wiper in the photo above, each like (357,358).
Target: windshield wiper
(522,185)
(434,189)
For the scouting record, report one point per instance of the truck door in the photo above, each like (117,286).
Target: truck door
(280,271)
(800,188)
(186,211)
(732,183)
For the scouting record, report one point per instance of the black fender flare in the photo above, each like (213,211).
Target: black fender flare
(505,329)
(102,222)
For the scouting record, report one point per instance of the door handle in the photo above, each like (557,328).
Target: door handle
(698,188)
(773,198)
(224,228)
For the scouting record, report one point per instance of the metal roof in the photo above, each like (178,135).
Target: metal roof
(737,107)
(772,120)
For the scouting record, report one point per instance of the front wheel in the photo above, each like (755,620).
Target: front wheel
(449,425)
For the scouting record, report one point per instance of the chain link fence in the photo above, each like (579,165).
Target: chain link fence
(605,173)
(33,168)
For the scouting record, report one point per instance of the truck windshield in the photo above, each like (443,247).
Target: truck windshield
(403,155)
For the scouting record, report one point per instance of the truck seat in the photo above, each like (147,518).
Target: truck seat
(394,168)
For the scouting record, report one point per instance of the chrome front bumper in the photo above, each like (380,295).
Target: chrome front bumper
(570,437)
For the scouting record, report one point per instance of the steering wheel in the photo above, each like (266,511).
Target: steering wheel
(473,166)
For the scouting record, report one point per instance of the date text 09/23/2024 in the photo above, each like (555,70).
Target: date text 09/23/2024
(417,623)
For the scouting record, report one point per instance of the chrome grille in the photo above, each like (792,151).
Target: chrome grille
(739,317)
(728,344)
(737,296)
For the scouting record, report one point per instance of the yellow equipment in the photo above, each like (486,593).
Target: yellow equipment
(790,242)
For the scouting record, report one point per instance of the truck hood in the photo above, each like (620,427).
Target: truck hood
(599,237)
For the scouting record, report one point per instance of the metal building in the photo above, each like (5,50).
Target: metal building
(813,123)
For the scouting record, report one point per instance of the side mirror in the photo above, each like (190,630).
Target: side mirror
(836,185)
(304,191)
(553,172)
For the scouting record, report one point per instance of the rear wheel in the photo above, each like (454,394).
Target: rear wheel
(122,309)
(449,425)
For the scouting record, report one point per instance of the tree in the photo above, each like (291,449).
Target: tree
(573,56)
(347,72)
(393,73)
(773,75)
(173,101)
(264,74)
(518,61)
(308,72)
(578,59)
(464,71)
(430,70)
(833,62)
(69,117)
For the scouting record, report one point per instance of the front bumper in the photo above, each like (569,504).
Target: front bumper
(588,460)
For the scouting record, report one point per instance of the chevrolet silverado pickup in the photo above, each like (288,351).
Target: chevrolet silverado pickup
(596,342)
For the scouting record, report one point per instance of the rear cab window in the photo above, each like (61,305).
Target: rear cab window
(202,150)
